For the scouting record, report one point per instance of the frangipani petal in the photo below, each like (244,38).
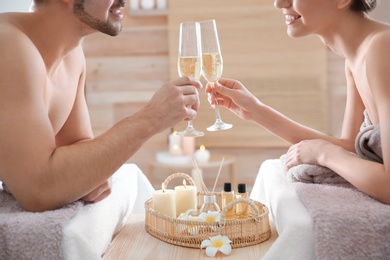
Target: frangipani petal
(211,251)
(215,238)
(217,243)
(226,249)
(211,216)
(192,218)
(226,240)
(205,243)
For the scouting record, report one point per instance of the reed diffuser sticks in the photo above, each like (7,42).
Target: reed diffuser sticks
(204,187)
(219,171)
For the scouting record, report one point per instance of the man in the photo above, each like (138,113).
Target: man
(48,155)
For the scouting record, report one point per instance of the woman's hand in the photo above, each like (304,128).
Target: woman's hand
(233,95)
(307,152)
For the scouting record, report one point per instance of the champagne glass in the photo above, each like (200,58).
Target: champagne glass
(189,62)
(212,65)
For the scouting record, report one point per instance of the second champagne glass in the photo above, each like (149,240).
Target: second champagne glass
(189,62)
(212,65)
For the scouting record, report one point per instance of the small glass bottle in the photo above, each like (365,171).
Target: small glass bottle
(209,204)
(227,196)
(241,209)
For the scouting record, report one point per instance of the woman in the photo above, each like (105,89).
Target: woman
(343,26)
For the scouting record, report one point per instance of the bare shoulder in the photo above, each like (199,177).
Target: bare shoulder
(22,73)
(379,42)
(21,54)
(11,27)
(376,51)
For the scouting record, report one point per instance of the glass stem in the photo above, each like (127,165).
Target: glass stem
(189,125)
(217,113)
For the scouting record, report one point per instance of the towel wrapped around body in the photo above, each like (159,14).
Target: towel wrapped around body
(367,145)
(348,224)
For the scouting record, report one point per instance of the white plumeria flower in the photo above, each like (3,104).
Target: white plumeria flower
(192,229)
(215,244)
(211,216)
(187,215)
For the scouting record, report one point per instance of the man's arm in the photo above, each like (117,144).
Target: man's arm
(42,176)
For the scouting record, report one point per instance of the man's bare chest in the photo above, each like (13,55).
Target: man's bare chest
(60,96)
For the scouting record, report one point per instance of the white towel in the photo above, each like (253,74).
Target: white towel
(89,233)
(291,218)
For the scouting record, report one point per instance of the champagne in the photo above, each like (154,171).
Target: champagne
(189,66)
(212,66)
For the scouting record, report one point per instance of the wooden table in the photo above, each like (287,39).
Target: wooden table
(133,242)
(214,162)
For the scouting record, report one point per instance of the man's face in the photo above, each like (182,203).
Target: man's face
(102,15)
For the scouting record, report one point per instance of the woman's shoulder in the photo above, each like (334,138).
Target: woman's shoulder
(380,37)
(377,43)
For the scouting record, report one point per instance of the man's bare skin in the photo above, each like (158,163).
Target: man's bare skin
(364,43)
(48,154)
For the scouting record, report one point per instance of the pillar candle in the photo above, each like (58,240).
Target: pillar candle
(188,145)
(186,198)
(162,4)
(134,5)
(148,4)
(174,144)
(202,155)
(164,202)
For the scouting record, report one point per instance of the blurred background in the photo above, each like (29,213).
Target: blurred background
(299,77)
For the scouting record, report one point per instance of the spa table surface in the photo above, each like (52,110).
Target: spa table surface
(133,242)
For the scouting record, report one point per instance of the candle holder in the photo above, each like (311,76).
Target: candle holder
(248,231)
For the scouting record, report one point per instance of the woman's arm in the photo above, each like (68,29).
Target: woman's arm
(234,96)
(370,177)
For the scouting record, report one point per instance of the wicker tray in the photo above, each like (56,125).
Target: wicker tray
(242,232)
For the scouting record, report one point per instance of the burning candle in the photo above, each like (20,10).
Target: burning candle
(175,144)
(164,201)
(202,155)
(186,198)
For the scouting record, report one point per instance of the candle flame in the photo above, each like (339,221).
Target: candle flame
(163,187)
(202,147)
(175,147)
(174,133)
(184,183)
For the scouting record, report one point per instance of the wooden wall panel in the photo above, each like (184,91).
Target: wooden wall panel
(137,40)
(288,74)
(123,73)
(132,73)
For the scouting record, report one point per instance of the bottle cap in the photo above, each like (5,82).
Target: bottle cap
(241,188)
(209,199)
(227,186)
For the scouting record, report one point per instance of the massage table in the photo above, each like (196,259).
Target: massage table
(89,231)
(292,220)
